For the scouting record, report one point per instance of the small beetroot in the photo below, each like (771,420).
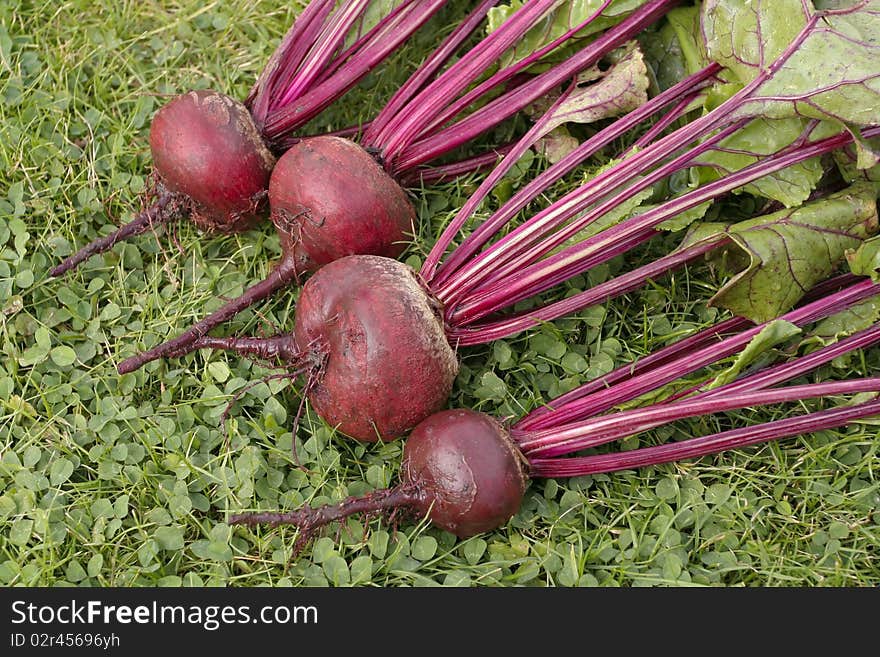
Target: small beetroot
(331,199)
(470,475)
(206,148)
(460,468)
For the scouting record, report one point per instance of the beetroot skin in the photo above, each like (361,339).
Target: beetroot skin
(468,474)
(388,363)
(331,199)
(206,148)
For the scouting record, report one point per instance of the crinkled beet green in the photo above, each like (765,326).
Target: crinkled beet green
(865,260)
(780,256)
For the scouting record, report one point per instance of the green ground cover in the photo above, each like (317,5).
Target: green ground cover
(115,480)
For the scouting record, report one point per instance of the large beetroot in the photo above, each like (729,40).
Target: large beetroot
(360,355)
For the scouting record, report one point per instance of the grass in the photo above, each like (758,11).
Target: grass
(126,481)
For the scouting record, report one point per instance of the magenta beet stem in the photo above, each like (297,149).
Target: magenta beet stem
(383,42)
(544,416)
(421,78)
(585,406)
(437,275)
(511,102)
(702,446)
(605,429)
(622,284)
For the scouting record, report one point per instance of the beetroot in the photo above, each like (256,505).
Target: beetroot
(470,476)
(383,337)
(331,199)
(373,340)
(211,165)
(463,471)
(460,468)
(206,148)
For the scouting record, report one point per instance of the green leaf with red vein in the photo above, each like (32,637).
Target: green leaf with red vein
(557,22)
(747,36)
(823,64)
(865,260)
(779,256)
(790,186)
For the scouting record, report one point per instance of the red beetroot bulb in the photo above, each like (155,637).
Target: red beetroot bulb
(383,337)
(469,474)
(373,341)
(460,468)
(331,199)
(211,164)
(206,148)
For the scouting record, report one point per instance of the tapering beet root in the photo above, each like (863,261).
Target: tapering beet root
(206,148)
(330,199)
(460,468)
